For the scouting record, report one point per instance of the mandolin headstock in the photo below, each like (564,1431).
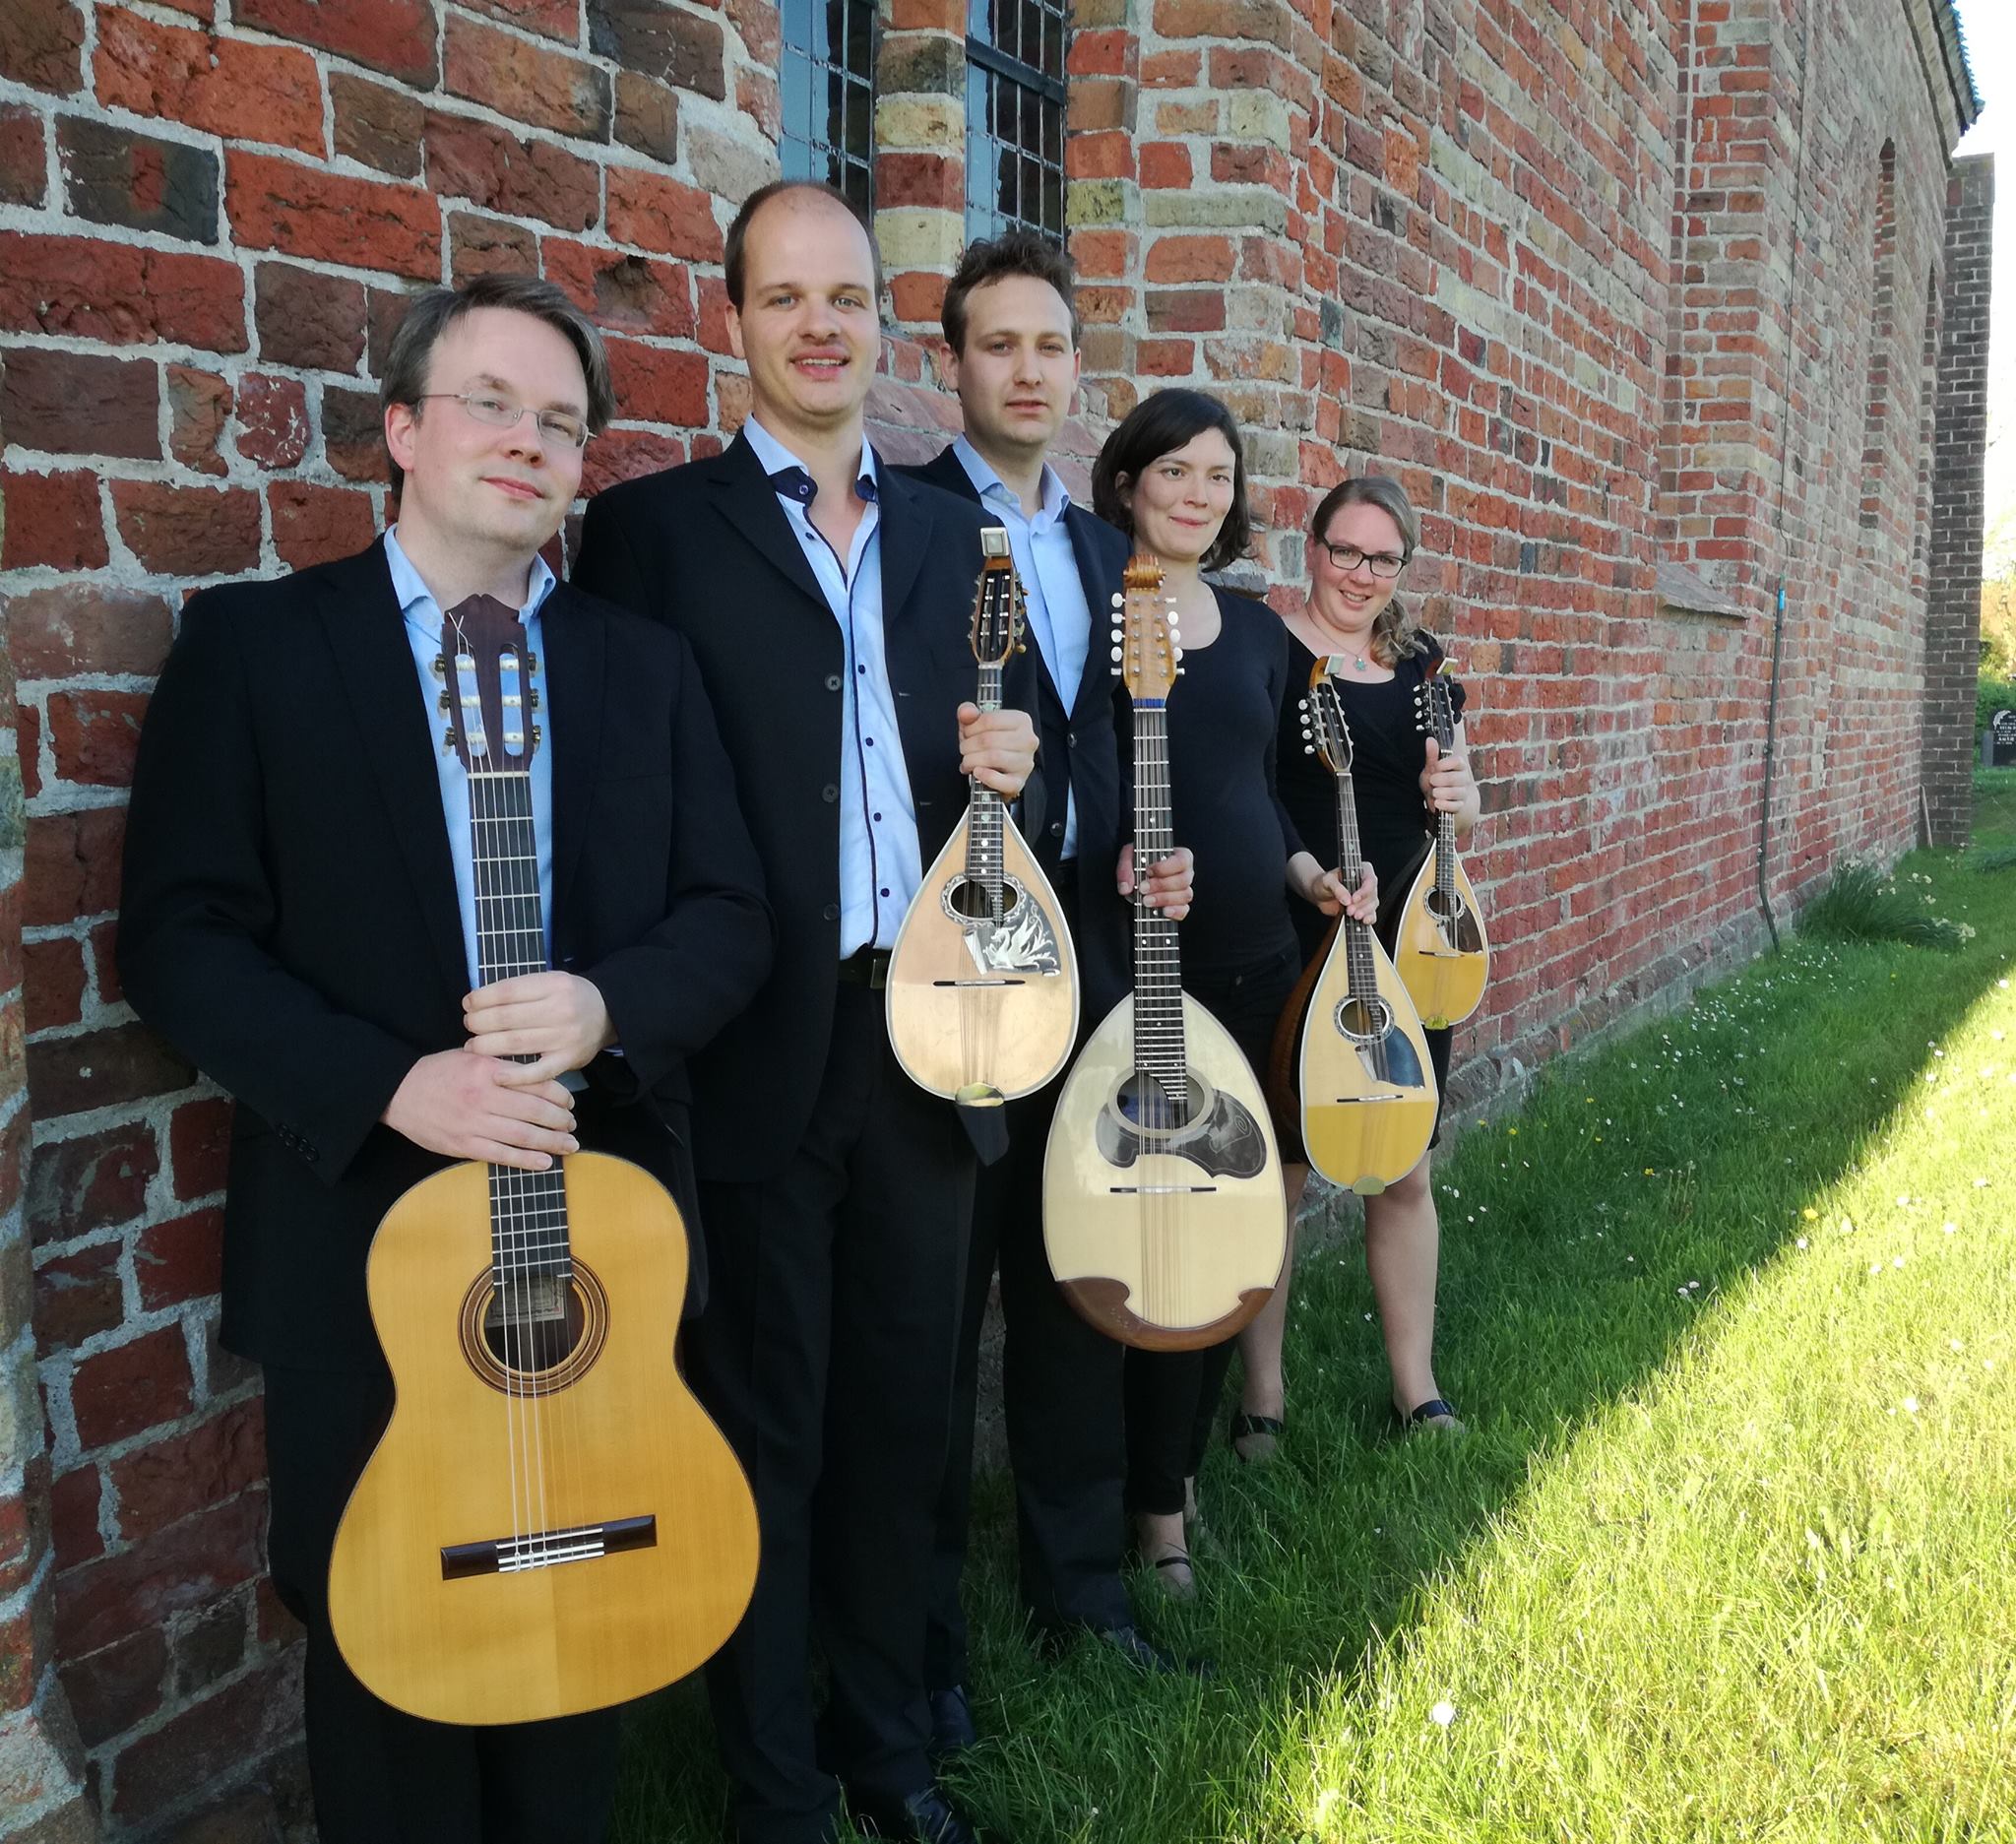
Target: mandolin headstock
(1434,710)
(997,602)
(1148,647)
(1324,729)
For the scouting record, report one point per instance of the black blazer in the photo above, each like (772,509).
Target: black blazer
(705,549)
(1079,753)
(290,918)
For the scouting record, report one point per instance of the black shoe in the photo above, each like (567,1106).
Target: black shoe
(926,1818)
(952,1730)
(1132,1644)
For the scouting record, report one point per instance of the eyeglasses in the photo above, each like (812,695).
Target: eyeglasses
(499,412)
(1348,557)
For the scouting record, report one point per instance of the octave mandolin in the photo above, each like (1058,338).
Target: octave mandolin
(1164,1216)
(1441,949)
(549,1523)
(1366,1085)
(982,993)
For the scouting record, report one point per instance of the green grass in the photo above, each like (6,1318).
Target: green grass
(1862,903)
(1731,1307)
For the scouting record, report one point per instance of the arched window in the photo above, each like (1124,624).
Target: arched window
(1877,430)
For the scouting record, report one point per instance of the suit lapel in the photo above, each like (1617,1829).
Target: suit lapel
(743,495)
(1095,681)
(905,533)
(367,636)
(575,645)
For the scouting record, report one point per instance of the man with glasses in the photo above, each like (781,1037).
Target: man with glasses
(299,921)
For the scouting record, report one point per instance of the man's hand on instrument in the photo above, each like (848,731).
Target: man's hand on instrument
(558,1018)
(471,1106)
(1327,891)
(1171,881)
(996,747)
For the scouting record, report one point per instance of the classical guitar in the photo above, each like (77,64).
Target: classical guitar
(1164,1216)
(1441,949)
(549,1523)
(982,994)
(1366,1085)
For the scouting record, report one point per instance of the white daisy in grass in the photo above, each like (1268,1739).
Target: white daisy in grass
(1910,1405)
(1443,1714)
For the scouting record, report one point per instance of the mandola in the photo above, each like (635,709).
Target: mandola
(549,1523)
(1367,1088)
(1440,949)
(982,996)
(1164,1216)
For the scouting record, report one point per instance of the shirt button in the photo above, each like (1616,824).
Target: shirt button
(833,681)
(831,912)
(829,794)
(1071,736)
(1057,829)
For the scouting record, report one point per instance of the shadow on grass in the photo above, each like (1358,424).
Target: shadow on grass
(1581,1237)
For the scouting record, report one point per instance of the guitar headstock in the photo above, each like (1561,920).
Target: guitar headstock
(997,602)
(1147,643)
(1434,711)
(1323,724)
(488,697)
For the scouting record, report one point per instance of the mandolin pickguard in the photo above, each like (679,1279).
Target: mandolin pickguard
(1021,942)
(1226,1143)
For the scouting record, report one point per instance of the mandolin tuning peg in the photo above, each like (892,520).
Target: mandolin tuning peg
(1116,656)
(1120,600)
(1308,748)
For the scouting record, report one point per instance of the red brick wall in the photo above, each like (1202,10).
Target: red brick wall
(1596,280)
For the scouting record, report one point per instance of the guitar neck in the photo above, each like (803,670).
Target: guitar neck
(1159,1046)
(1361,973)
(986,811)
(528,1208)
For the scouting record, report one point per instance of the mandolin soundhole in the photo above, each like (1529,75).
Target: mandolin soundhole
(1364,1019)
(968,899)
(536,1333)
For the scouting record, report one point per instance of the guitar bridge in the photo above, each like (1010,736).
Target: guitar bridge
(547,1548)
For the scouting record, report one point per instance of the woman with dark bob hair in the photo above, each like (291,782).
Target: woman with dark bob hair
(1360,538)
(1172,477)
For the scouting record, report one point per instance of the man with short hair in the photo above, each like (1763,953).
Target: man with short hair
(1011,352)
(828,599)
(300,919)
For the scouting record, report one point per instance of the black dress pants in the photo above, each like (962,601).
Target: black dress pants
(825,1356)
(379,1775)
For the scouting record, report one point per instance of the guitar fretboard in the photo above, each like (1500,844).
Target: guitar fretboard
(528,1208)
(1159,1046)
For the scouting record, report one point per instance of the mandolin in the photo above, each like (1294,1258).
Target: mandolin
(982,994)
(549,1522)
(1440,949)
(1164,1215)
(1367,1087)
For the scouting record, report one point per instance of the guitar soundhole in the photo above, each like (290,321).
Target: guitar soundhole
(968,899)
(1365,1019)
(537,1333)
(1142,1103)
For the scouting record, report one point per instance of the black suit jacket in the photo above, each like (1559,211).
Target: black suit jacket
(290,918)
(1079,753)
(707,549)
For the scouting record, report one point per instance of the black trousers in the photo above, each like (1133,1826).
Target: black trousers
(825,1356)
(381,1776)
(1061,1387)
(1173,1395)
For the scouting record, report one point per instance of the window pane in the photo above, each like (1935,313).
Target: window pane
(826,93)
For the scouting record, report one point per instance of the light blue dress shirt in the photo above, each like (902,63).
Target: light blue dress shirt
(423,615)
(880,860)
(1052,591)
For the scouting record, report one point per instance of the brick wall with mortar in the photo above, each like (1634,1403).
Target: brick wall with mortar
(1594,280)
(1957,505)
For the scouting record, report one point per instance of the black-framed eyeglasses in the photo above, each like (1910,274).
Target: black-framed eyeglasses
(500,412)
(1348,557)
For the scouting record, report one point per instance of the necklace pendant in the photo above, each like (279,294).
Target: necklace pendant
(1358,659)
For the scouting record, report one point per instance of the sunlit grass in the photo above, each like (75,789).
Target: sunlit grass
(1726,1554)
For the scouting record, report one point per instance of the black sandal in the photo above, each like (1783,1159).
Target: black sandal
(1177,1590)
(1263,1431)
(1435,1417)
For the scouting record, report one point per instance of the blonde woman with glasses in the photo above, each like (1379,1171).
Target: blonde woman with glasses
(1360,538)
